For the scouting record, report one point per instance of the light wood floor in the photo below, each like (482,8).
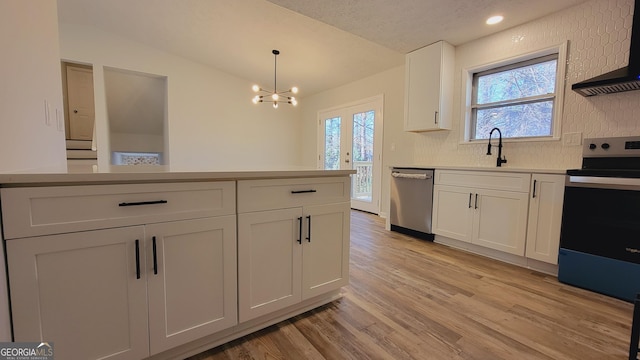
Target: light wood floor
(411,299)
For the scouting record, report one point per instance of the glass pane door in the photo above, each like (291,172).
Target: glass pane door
(349,141)
(362,150)
(332,143)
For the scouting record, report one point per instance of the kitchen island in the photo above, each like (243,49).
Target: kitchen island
(164,265)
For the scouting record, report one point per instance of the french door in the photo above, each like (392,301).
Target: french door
(350,137)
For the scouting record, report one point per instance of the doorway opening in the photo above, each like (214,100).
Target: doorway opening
(79,115)
(136,105)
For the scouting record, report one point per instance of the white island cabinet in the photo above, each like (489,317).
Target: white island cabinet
(155,265)
(159,272)
(293,242)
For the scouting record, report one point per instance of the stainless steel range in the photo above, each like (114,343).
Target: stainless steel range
(600,237)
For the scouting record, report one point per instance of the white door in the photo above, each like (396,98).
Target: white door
(269,261)
(545,215)
(453,211)
(325,251)
(350,137)
(80,103)
(85,291)
(190,257)
(500,221)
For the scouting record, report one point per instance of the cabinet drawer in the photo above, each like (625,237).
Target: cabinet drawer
(484,180)
(49,210)
(256,195)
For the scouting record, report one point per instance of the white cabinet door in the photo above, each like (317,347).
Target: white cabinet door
(429,88)
(500,222)
(453,211)
(191,271)
(81,291)
(490,218)
(545,216)
(325,264)
(269,261)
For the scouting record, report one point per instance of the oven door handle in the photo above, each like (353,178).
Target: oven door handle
(598,180)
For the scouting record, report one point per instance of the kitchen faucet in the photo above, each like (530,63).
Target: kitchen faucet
(501,160)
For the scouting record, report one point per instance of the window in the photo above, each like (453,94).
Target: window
(521,97)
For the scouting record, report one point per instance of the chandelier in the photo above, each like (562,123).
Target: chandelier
(275,96)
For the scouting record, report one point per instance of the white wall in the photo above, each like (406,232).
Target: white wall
(30,74)
(212,123)
(135,142)
(598,32)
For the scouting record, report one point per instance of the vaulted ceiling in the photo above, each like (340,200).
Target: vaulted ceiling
(323,43)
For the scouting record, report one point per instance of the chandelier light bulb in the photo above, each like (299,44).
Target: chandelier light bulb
(274,96)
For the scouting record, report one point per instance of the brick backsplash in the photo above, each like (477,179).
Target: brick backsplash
(599,34)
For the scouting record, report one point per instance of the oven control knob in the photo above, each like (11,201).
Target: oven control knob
(605,146)
(592,146)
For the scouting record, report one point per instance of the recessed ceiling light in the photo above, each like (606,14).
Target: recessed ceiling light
(494,19)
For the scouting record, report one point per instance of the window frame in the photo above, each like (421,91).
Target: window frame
(514,62)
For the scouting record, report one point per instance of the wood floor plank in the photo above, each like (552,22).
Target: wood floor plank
(296,340)
(413,299)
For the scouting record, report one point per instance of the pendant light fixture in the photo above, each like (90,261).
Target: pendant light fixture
(275,96)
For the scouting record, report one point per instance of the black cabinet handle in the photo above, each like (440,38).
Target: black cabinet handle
(309,228)
(476,205)
(302,191)
(435,118)
(300,230)
(137,259)
(534,188)
(155,257)
(470,194)
(143,203)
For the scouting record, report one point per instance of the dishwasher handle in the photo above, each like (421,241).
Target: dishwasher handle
(401,175)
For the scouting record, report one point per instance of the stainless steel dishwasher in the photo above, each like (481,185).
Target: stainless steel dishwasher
(412,201)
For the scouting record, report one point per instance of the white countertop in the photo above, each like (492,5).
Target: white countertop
(485,168)
(134,174)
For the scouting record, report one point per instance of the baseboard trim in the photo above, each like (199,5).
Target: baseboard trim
(521,261)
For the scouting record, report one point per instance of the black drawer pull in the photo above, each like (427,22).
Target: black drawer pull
(155,257)
(143,203)
(302,191)
(137,259)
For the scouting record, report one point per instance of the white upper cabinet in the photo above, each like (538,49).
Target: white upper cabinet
(428,102)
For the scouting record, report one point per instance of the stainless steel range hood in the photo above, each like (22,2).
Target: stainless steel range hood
(625,79)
